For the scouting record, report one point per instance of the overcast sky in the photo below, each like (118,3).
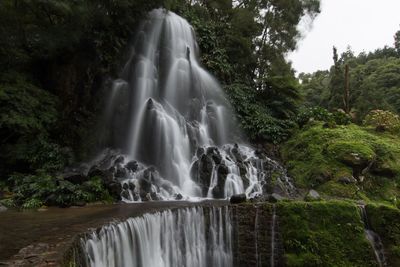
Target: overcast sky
(363,24)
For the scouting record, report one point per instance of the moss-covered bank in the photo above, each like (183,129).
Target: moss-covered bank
(345,161)
(324,234)
(385,221)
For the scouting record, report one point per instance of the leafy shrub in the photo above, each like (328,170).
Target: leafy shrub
(321,114)
(32,191)
(255,118)
(384,120)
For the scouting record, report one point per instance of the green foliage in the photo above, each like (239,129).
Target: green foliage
(33,191)
(320,157)
(384,120)
(385,221)
(306,115)
(255,118)
(323,234)
(374,82)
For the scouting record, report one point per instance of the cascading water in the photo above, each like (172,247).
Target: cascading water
(186,237)
(374,239)
(171,122)
(273,237)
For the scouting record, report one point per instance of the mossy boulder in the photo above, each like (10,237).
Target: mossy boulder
(346,161)
(351,153)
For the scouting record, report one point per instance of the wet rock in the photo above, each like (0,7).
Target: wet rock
(154,196)
(114,188)
(95,171)
(125,186)
(131,186)
(201,173)
(125,194)
(312,195)
(347,180)
(121,173)
(239,198)
(275,197)
(200,151)
(145,188)
(119,160)
(147,197)
(133,166)
(2,208)
(222,173)
(213,152)
(178,196)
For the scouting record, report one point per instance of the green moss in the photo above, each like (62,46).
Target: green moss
(319,157)
(385,221)
(323,234)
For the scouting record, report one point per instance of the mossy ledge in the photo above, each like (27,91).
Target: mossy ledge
(349,161)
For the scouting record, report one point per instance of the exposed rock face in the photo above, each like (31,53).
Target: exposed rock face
(312,195)
(257,238)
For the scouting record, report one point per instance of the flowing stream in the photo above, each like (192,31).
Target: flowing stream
(198,236)
(374,239)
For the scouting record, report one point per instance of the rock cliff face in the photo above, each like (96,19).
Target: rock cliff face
(256,236)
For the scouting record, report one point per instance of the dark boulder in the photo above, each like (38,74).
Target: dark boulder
(125,194)
(133,166)
(145,188)
(218,190)
(236,153)
(121,173)
(114,188)
(200,151)
(178,196)
(119,160)
(236,199)
(95,171)
(201,172)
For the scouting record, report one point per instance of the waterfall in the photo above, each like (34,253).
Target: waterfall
(373,238)
(197,236)
(256,231)
(170,121)
(273,223)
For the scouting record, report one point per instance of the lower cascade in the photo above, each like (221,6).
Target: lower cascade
(197,236)
(374,239)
